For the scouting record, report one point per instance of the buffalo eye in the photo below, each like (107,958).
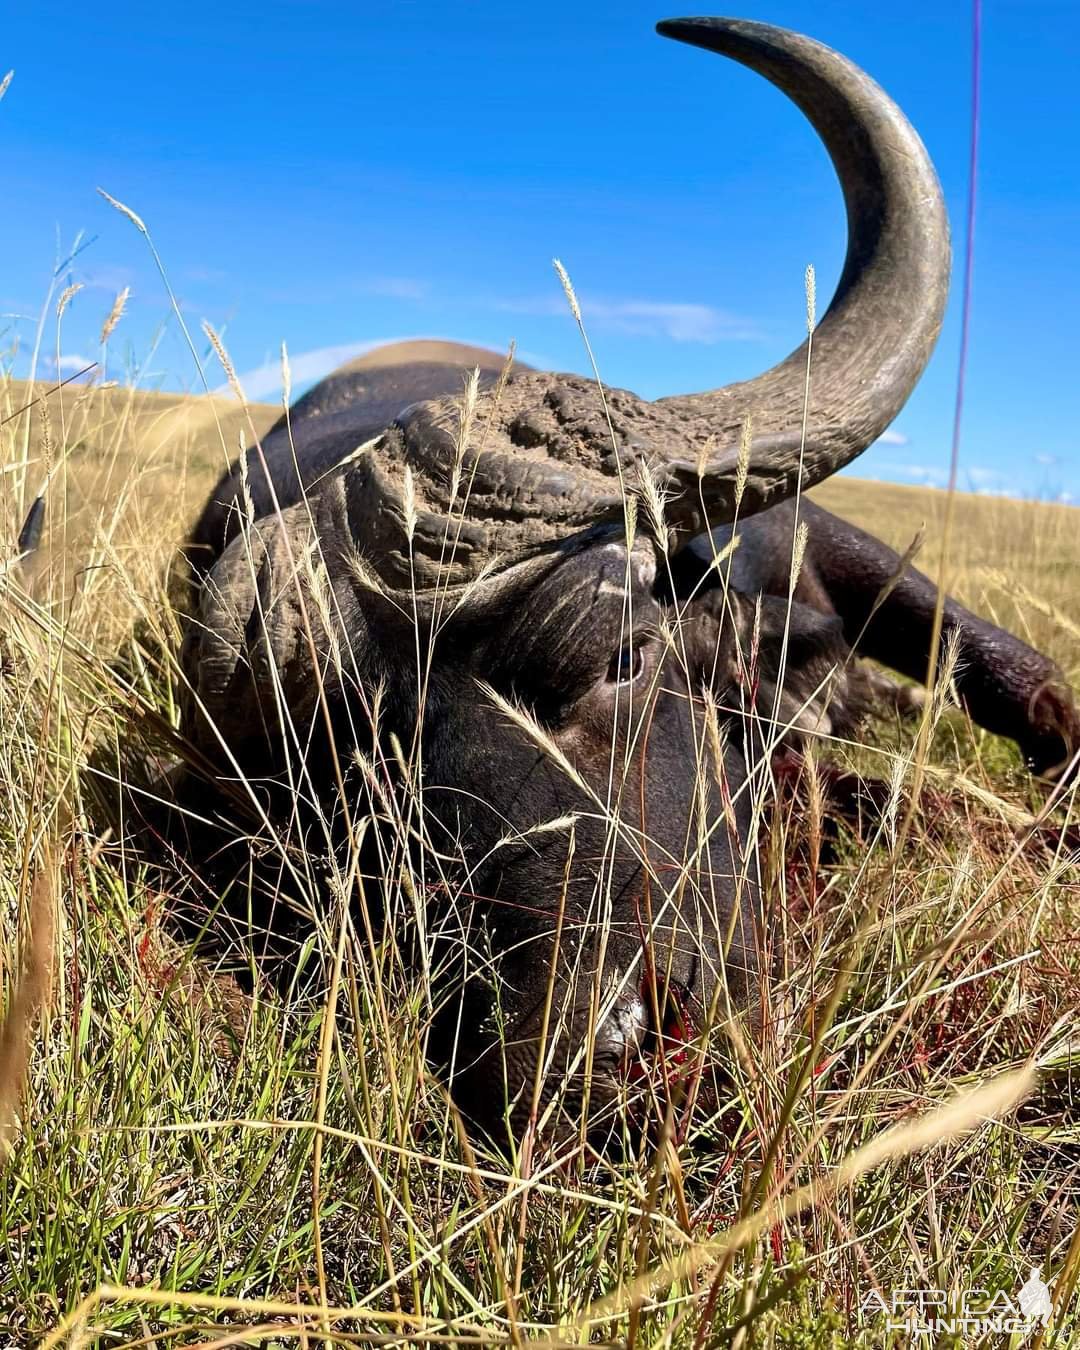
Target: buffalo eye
(626,665)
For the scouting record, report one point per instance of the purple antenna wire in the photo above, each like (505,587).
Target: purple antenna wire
(969,239)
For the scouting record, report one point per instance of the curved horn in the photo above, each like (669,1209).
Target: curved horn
(877,335)
(549,455)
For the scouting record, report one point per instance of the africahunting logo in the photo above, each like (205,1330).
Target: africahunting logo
(967,1312)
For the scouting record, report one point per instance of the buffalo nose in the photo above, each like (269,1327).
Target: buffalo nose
(623,1035)
(643,1024)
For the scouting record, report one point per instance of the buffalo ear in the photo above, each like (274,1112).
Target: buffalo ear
(791,671)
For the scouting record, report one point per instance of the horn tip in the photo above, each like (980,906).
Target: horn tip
(690,30)
(33,525)
(725,36)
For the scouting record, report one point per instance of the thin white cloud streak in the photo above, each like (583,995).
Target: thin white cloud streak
(645,318)
(69,363)
(892,437)
(107,277)
(979,479)
(306,368)
(263,382)
(200,274)
(397,288)
(929,475)
(987,482)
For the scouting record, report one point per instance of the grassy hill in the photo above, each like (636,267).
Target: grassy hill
(187,1162)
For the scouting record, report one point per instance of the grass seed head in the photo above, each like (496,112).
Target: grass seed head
(114,316)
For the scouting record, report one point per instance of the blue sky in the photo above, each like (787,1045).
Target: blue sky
(332,174)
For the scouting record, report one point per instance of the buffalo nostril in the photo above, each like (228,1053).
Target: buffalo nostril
(646,1026)
(626,1031)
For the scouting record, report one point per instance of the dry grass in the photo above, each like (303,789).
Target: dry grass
(1015,562)
(166,1186)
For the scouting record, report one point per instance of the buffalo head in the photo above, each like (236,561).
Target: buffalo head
(442,617)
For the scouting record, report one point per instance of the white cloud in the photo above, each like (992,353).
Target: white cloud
(680,322)
(305,368)
(198,274)
(646,318)
(929,475)
(397,288)
(987,482)
(70,363)
(107,278)
(892,437)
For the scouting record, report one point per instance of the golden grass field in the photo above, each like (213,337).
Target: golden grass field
(170,1181)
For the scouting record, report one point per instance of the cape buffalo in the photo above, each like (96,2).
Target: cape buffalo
(512,626)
